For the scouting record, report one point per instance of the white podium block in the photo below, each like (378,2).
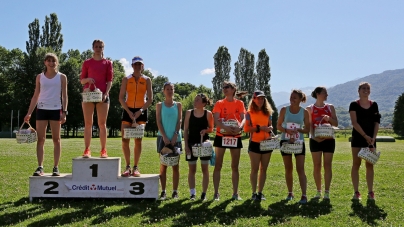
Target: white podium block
(94,178)
(102,169)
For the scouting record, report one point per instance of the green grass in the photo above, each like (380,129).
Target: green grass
(18,161)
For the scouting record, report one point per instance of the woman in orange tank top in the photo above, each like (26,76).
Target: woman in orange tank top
(259,125)
(132,96)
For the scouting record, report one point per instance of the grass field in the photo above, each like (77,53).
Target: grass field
(18,161)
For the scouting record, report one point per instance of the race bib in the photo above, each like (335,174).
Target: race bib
(229,141)
(292,126)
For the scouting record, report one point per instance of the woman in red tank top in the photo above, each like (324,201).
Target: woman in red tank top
(320,113)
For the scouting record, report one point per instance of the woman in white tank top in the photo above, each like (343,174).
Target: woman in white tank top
(50,98)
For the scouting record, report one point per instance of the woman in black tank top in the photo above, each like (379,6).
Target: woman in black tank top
(198,122)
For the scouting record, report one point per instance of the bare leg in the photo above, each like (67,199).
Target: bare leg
(287,161)
(317,156)
(205,177)
(255,159)
(55,127)
(263,171)
(163,176)
(301,173)
(356,163)
(125,146)
(191,175)
(328,170)
(102,114)
(218,167)
(41,133)
(138,151)
(235,175)
(176,176)
(88,112)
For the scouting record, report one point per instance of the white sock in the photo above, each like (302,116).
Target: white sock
(192,191)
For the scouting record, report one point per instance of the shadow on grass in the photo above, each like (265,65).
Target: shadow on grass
(13,218)
(369,213)
(283,210)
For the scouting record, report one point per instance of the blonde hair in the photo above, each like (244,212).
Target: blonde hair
(48,56)
(99,41)
(266,108)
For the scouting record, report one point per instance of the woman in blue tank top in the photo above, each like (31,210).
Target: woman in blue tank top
(169,133)
(293,122)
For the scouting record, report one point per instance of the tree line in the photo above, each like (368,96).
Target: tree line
(18,70)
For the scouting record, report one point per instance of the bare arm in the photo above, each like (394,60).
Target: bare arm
(122,94)
(333,119)
(186,127)
(307,127)
(34,99)
(178,126)
(64,98)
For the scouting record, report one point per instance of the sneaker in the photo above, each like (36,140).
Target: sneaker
(260,196)
(55,172)
(174,195)
(216,197)
(103,153)
(371,195)
(127,172)
(303,200)
(163,196)
(203,196)
(254,196)
(326,195)
(318,195)
(136,172)
(357,196)
(192,197)
(38,172)
(290,196)
(87,153)
(236,197)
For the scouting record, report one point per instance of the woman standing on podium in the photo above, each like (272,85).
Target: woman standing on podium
(96,72)
(135,96)
(50,98)
(169,118)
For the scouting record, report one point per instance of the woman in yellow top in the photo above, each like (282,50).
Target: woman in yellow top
(135,88)
(259,124)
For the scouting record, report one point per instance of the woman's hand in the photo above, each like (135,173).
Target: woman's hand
(174,139)
(266,128)
(369,139)
(187,150)
(27,117)
(89,80)
(166,140)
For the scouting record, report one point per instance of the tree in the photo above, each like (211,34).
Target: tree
(244,73)
(398,116)
(263,77)
(51,36)
(222,71)
(115,108)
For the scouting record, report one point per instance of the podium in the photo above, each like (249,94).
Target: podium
(94,178)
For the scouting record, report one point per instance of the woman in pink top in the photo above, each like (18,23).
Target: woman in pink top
(96,71)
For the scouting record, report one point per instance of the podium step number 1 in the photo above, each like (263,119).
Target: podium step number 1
(94,178)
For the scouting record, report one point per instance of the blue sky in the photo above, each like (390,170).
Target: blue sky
(310,43)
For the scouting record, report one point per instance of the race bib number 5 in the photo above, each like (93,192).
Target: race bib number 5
(229,141)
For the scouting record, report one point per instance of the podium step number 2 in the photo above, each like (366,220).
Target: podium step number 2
(94,178)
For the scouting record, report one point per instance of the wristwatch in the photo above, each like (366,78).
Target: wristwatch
(141,110)
(65,112)
(176,132)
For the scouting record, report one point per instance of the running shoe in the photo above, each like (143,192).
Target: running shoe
(192,197)
(357,196)
(136,172)
(103,153)
(38,172)
(260,196)
(203,196)
(174,195)
(87,153)
(326,195)
(254,196)
(290,196)
(318,195)
(216,197)
(371,195)
(303,200)
(55,172)
(163,196)
(127,172)
(236,197)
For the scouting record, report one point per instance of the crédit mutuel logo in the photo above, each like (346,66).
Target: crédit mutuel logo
(95,187)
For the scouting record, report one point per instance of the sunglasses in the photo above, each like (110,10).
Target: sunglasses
(225,87)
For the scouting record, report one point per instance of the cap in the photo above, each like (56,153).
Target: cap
(258,93)
(137,59)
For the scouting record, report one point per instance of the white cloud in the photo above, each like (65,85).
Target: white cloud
(126,65)
(153,71)
(208,71)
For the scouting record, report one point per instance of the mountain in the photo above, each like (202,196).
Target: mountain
(385,89)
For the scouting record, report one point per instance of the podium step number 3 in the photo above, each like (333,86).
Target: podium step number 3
(94,178)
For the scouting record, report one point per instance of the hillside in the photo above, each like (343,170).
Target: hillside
(385,89)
